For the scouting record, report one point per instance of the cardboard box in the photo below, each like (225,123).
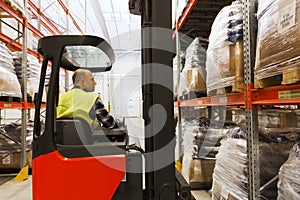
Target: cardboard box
(13,161)
(201,171)
(195,79)
(278,33)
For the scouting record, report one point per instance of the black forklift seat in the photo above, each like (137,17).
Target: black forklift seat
(73,131)
(74,138)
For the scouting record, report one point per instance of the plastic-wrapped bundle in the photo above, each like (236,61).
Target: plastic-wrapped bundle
(278,42)
(207,140)
(9,84)
(229,177)
(201,141)
(33,65)
(230,174)
(289,176)
(176,73)
(224,63)
(197,171)
(195,55)
(275,125)
(189,129)
(6,59)
(10,136)
(194,68)
(33,71)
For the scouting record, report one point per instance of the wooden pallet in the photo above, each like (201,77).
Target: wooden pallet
(236,87)
(290,76)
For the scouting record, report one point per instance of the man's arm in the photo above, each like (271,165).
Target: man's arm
(103,116)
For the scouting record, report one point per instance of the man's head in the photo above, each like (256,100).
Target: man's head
(84,79)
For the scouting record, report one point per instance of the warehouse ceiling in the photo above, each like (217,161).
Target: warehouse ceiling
(123,27)
(112,20)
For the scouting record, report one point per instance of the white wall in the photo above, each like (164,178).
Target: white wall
(122,88)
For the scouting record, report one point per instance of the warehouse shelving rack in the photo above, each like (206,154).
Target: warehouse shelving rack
(14,45)
(250,99)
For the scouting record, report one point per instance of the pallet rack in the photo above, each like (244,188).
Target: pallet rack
(14,45)
(251,99)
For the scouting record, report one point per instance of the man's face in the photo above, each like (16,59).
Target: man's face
(89,82)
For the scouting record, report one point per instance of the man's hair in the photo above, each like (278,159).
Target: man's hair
(78,75)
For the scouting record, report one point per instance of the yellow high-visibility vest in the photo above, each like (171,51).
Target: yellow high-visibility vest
(76,103)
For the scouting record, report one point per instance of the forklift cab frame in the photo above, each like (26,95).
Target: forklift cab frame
(66,165)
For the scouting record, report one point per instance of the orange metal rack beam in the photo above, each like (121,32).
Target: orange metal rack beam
(233,99)
(52,27)
(189,7)
(16,46)
(69,14)
(277,95)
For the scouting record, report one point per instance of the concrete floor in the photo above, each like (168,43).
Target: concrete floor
(10,190)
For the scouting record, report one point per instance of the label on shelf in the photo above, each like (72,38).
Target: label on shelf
(223,100)
(289,94)
(7,105)
(6,160)
(199,102)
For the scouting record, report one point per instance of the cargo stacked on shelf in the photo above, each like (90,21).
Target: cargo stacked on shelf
(278,133)
(193,79)
(289,176)
(10,89)
(225,59)
(177,71)
(33,72)
(278,43)
(196,169)
(10,145)
(201,142)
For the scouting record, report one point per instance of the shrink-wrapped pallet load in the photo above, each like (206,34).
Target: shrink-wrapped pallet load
(9,84)
(178,64)
(278,132)
(289,176)
(201,142)
(194,70)
(225,62)
(33,71)
(230,177)
(278,43)
(10,145)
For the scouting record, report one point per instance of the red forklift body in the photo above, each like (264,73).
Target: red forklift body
(76,178)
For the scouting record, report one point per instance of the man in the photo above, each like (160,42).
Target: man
(80,102)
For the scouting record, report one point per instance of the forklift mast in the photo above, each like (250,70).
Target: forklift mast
(157,88)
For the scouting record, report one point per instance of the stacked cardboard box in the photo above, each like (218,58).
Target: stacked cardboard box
(278,43)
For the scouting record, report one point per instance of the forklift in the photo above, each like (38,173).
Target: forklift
(71,160)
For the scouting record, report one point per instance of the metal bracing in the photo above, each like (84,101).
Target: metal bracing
(24,89)
(249,9)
